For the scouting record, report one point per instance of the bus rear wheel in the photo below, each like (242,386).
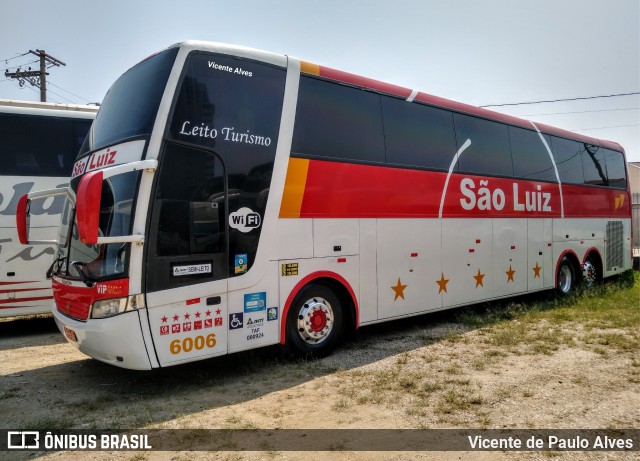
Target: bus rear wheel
(590,271)
(566,277)
(314,322)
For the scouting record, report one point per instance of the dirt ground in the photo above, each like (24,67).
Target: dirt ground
(426,372)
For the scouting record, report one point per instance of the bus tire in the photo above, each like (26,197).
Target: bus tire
(566,277)
(591,271)
(315,321)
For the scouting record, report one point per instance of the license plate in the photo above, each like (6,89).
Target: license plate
(70,334)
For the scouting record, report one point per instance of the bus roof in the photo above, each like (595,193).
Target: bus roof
(394,90)
(47,105)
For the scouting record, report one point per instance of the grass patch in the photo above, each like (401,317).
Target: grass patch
(10,393)
(604,319)
(455,400)
(609,312)
(238,422)
(50,423)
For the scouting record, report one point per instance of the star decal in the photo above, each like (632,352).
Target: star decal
(186,316)
(218,311)
(442,284)
(164,319)
(176,318)
(399,290)
(510,273)
(197,315)
(208,313)
(536,271)
(479,279)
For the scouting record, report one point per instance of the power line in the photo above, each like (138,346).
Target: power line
(560,100)
(22,65)
(603,127)
(36,78)
(66,91)
(59,95)
(15,57)
(581,112)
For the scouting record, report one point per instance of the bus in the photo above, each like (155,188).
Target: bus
(39,143)
(231,198)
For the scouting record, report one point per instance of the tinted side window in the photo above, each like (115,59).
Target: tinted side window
(593,165)
(189,214)
(489,152)
(235,113)
(38,145)
(232,106)
(568,159)
(616,169)
(190,198)
(531,160)
(418,135)
(338,121)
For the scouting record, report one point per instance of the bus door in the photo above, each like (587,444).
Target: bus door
(187,263)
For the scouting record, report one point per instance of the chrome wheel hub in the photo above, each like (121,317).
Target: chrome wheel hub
(565,279)
(589,273)
(315,320)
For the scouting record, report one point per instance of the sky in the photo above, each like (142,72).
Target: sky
(479,52)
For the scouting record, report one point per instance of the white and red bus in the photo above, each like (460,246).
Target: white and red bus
(232,198)
(38,146)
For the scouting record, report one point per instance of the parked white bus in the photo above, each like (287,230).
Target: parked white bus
(38,145)
(232,198)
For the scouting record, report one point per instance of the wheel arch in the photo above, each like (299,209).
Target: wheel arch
(593,251)
(334,281)
(575,261)
(596,257)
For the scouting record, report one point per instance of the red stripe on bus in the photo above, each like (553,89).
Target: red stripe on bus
(16,283)
(22,307)
(23,289)
(364,82)
(21,300)
(346,190)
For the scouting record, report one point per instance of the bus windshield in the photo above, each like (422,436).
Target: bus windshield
(97,262)
(129,109)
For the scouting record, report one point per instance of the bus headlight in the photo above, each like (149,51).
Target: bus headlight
(110,307)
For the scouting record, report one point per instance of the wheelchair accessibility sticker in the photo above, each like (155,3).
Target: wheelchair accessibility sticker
(235,321)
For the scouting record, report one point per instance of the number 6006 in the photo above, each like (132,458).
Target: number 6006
(188,344)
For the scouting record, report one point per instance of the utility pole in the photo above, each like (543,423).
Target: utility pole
(36,78)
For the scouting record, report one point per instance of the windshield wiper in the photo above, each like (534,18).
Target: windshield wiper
(57,260)
(86,279)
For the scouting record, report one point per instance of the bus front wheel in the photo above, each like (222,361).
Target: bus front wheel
(314,321)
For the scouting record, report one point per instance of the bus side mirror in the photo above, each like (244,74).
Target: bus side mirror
(22,214)
(88,207)
(22,219)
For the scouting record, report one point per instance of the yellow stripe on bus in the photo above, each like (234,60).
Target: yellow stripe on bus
(294,188)
(309,68)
